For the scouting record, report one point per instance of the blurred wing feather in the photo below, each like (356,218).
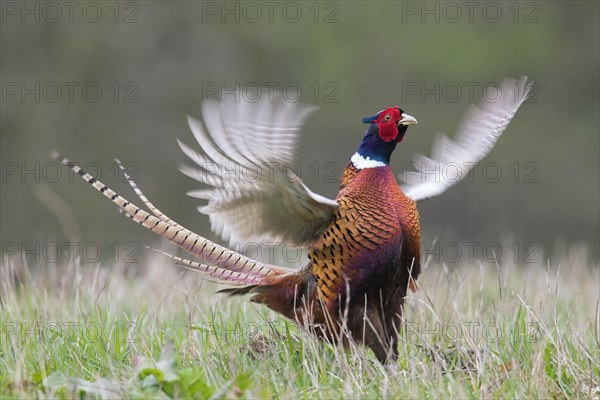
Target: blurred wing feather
(251,194)
(477,134)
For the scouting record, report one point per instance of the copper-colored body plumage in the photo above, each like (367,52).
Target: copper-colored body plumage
(362,263)
(360,267)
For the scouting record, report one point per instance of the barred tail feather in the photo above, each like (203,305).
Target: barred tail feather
(209,252)
(221,274)
(144,199)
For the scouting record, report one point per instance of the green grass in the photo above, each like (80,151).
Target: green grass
(153,330)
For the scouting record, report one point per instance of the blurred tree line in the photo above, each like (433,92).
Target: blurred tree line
(120,85)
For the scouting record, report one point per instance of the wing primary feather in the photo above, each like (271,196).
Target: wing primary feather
(245,148)
(479,130)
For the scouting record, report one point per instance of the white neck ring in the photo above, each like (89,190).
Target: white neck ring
(361,162)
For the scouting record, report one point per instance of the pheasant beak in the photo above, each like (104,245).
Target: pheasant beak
(407,120)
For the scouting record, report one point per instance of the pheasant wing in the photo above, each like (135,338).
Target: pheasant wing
(477,134)
(246,164)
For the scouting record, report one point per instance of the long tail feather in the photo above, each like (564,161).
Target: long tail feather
(144,199)
(208,251)
(221,274)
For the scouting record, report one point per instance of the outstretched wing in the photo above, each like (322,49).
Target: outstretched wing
(247,163)
(477,134)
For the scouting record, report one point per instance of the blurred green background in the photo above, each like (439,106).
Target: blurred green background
(153,61)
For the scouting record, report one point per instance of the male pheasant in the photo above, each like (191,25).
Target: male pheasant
(363,246)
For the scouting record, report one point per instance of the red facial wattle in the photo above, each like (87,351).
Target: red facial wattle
(388,130)
(388,124)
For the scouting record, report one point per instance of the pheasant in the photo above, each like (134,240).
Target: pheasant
(363,246)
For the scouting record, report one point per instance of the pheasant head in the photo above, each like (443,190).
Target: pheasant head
(387,128)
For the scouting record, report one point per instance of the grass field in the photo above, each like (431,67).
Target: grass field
(153,330)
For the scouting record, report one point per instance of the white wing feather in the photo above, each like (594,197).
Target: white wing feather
(477,134)
(251,194)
